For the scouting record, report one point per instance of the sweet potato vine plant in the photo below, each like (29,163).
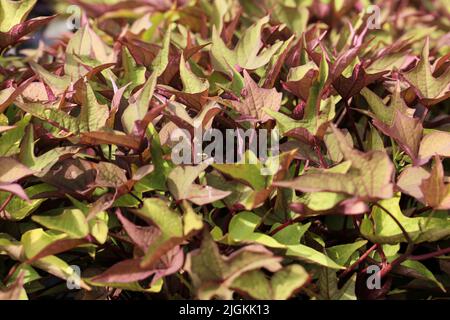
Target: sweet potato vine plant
(356,209)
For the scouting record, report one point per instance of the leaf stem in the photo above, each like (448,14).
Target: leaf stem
(388,268)
(353,126)
(185,282)
(6,202)
(323,164)
(284,225)
(426,256)
(421,210)
(359,261)
(437,123)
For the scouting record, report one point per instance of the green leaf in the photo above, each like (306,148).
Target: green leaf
(180,182)
(381,228)
(58,84)
(279,287)
(248,172)
(292,234)
(307,254)
(10,140)
(138,106)
(322,201)
(328,286)
(213,274)
(172,227)
(369,176)
(312,107)
(159,64)
(93,115)
(192,222)
(191,83)
(247,49)
(110,175)
(430,89)
(51,113)
(218,10)
(131,286)
(35,240)
(222,58)
(242,229)
(342,253)
(84,48)
(396,121)
(14,12)
(256,100)
(157,178)
(376,104)
(293,15)
(98,227)
(406,131)
(422,271)
(133,74)
(29,274)
(318,117)
(44,161)
(332,143)
(71,221)
(246,53)
(19,209)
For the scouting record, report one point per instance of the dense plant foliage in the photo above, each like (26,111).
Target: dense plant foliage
(351,201)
